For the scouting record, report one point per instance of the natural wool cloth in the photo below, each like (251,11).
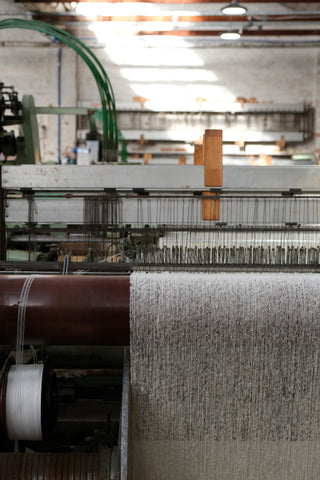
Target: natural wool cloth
(225,376)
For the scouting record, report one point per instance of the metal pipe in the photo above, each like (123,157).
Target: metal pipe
(67,310)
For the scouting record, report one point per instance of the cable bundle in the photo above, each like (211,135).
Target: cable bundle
(109,117)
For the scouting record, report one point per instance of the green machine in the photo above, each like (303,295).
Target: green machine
(24,147)
(25,112)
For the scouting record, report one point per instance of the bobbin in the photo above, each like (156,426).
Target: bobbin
(47,402)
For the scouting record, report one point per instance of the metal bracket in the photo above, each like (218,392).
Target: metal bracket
(292,224)
(215,190)
(140,191)
(292,192)
(221,224)
(110,190)
(27,192)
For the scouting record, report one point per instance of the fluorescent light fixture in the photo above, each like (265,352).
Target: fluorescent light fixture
(230,36)
(233,8)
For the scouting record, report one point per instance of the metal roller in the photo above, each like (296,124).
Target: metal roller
(67,310)
(51,466)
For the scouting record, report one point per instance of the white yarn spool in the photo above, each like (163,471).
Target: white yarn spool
(23,402)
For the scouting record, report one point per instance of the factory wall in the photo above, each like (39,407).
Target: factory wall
(173,76)
(178,76)
(217,74)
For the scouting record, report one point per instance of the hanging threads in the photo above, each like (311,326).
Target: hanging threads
(22,306)
(65,268)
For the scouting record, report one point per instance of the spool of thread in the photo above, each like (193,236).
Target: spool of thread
(28,402)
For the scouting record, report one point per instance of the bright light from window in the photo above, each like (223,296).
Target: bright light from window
(168,75)
(230,36)
(93,9)
(105,33)
(161,57)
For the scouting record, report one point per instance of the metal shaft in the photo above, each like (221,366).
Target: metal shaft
(67,310)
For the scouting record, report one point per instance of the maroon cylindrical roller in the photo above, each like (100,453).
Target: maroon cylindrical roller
(67,310)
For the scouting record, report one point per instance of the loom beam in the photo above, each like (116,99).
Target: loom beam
(67,310)
(64,466)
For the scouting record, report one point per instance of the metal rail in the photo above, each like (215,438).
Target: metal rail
(157,178)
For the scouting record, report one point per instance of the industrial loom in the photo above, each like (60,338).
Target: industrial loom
(148,216)
(208,273)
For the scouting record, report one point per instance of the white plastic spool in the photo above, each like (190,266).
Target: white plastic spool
(24,402)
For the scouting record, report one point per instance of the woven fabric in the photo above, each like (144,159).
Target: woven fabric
(225,376)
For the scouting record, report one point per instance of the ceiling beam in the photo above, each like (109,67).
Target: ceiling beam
(246,33)
(62,17)
(181,2)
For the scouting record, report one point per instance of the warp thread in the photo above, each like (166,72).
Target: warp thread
(22,306)
(65,268)
(225,376)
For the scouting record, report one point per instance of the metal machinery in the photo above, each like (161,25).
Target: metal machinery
(154,217)
(85,382)
(22,145)
(24,149)
(9,101)
(108,220)
(83,337)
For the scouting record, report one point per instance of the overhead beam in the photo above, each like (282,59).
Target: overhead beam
(247,33)
(198,29)
(198,25)
(182,2)
(62,17)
